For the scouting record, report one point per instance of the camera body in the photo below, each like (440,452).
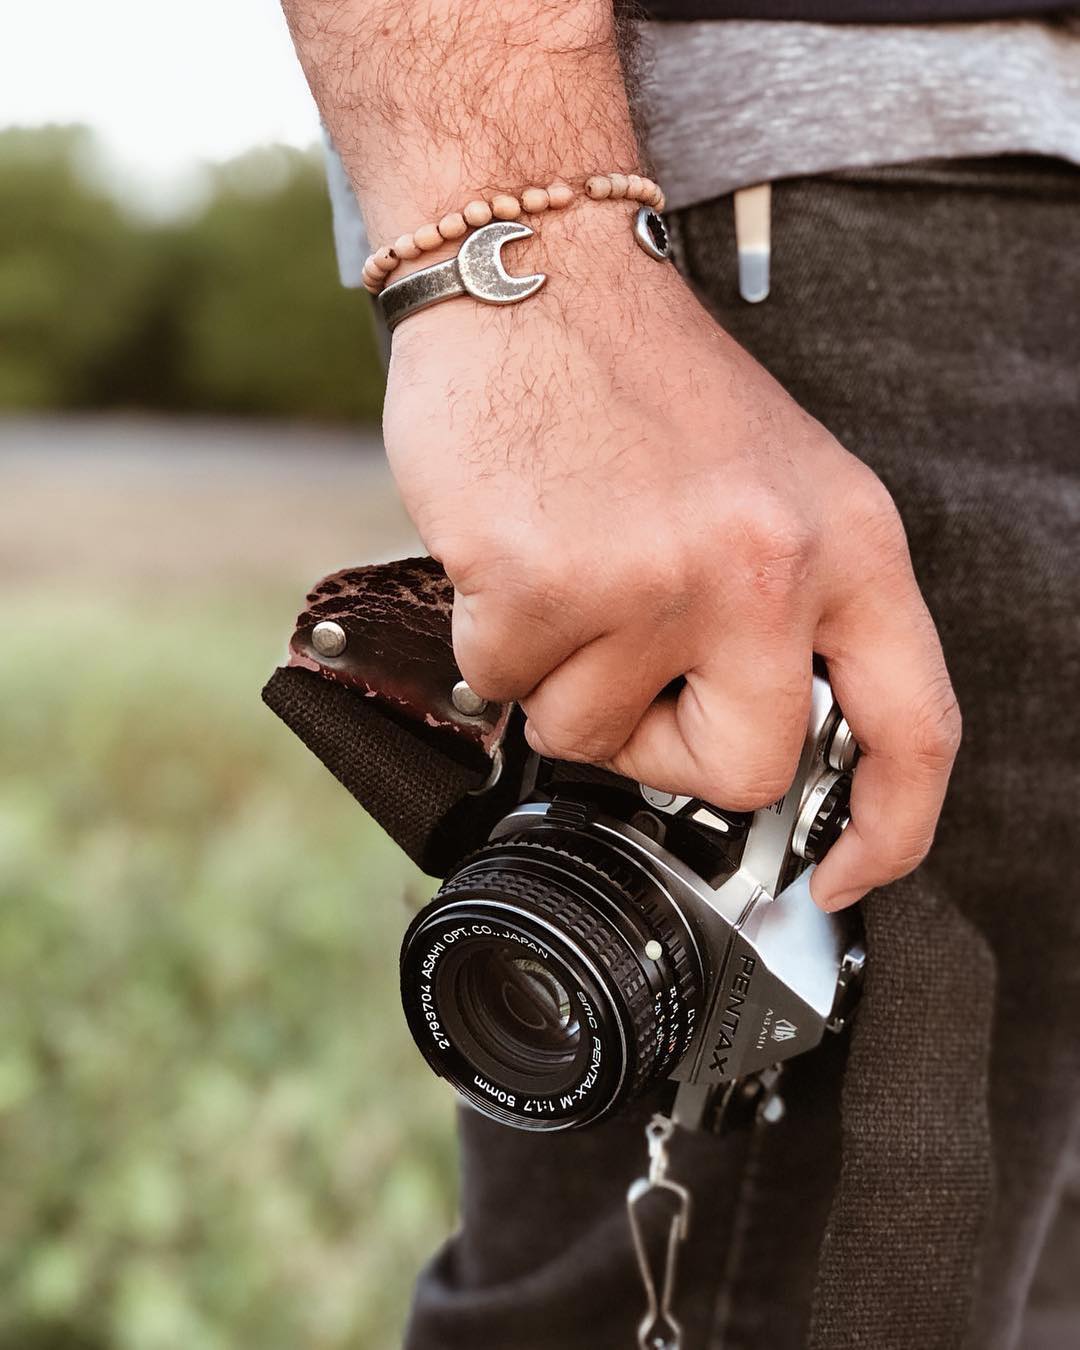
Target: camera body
(608,936)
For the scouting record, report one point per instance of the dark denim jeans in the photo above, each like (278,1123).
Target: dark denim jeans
(929,315)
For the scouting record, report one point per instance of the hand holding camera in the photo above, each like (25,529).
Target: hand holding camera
(615,514)
(594,935)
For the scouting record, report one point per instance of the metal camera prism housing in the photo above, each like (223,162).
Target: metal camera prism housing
(606,938)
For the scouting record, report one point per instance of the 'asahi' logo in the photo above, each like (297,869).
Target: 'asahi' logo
(784,1030)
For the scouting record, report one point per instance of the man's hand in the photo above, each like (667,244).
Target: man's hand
(622,496)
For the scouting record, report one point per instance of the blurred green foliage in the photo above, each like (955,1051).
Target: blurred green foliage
(236,308)
(215,1132)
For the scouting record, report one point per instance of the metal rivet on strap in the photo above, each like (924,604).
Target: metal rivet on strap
(466,700)
(328,638)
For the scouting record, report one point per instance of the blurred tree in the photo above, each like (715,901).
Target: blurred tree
(265,324)
(73,271)
(235,310)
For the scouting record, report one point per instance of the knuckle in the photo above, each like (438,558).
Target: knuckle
(460,557)
(760,750)
(756,787)
(480,669)
(872,516)
(775,546)
(476,562)
(564,742)
(494,606)
(903,856)
(481,643)
(666,568)
(936,727)
(581,734)
(498,556)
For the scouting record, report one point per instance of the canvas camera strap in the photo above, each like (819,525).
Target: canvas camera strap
(899,1260)
(379,713)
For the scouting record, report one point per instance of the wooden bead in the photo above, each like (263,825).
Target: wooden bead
(452,226)
(598,187)
(534,200)
(385,259)
(619,183)
(560,194)
(635,187)
(372,278)
(477,213)
(505,207)
(405,247)
(427,237)
(373,286)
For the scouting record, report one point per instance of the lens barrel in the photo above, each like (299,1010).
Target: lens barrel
(551,980)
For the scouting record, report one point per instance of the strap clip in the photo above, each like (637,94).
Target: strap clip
(658,1329)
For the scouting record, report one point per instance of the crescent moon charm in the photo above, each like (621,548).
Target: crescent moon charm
(481,269)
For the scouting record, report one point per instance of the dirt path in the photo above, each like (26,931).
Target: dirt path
(117,503)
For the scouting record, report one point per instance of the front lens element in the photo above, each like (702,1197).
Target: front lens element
(518,1003)
(512,1015)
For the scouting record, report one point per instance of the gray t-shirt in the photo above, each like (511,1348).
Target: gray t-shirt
(733,103)
(730,103)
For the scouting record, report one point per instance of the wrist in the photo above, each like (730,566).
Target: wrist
(601,290)
(435,242)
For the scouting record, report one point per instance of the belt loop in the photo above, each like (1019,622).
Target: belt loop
(753,207)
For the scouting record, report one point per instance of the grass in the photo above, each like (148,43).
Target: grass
(215,1133)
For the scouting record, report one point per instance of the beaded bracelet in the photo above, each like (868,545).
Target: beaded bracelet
(505,206)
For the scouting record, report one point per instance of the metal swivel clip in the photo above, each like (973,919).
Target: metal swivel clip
(658,1329)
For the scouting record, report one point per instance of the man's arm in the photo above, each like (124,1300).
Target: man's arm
(432,103)
(619,493)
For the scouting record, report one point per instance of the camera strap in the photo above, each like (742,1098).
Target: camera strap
(368,686)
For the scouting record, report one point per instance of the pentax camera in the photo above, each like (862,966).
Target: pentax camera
(607,936)
(592,936)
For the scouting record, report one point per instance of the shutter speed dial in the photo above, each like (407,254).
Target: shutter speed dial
(823,816)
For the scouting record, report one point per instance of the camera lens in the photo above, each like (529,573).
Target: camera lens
(526,981)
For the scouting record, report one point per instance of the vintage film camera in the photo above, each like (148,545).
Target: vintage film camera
(592,936)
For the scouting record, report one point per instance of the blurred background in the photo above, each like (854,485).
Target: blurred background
(215,1132)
